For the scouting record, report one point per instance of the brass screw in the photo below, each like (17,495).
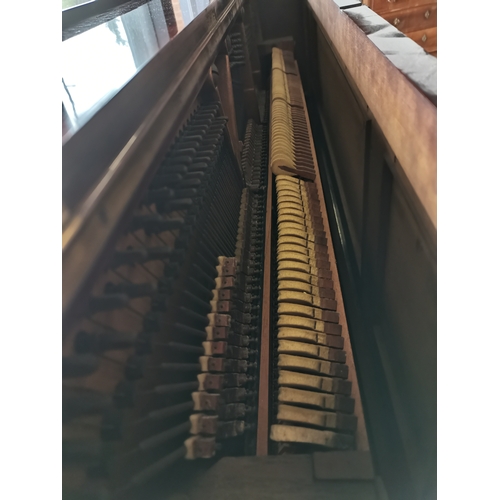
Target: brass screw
(424,38)
(427,14)
(396,21)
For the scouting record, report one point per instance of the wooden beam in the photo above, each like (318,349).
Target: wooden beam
(343,465)
(407,118)
(225,88)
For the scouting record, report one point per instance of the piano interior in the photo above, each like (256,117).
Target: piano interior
(249,250)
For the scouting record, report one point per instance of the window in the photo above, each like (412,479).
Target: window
(98,62)
(67,4)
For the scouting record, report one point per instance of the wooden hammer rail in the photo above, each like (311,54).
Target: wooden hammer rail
(318,394)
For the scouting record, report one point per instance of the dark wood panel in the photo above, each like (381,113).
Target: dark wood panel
(284,477)
(281,19)
(385,442)
(337,465)
(346,131)
(376,206)
(407,341)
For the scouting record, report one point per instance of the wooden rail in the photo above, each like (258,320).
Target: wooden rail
(361,435)
(398,106)
(265,337)
(265,345)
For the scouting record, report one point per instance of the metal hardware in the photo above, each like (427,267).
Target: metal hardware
(424,38)
(396,21)
(427,14)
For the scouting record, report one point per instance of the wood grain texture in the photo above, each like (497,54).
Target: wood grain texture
(389,5)
(335,465)
(426,38)
(283,477)
(407,118)
(413,19)
(361,434)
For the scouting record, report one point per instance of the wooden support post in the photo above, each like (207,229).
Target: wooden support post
(225,88)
